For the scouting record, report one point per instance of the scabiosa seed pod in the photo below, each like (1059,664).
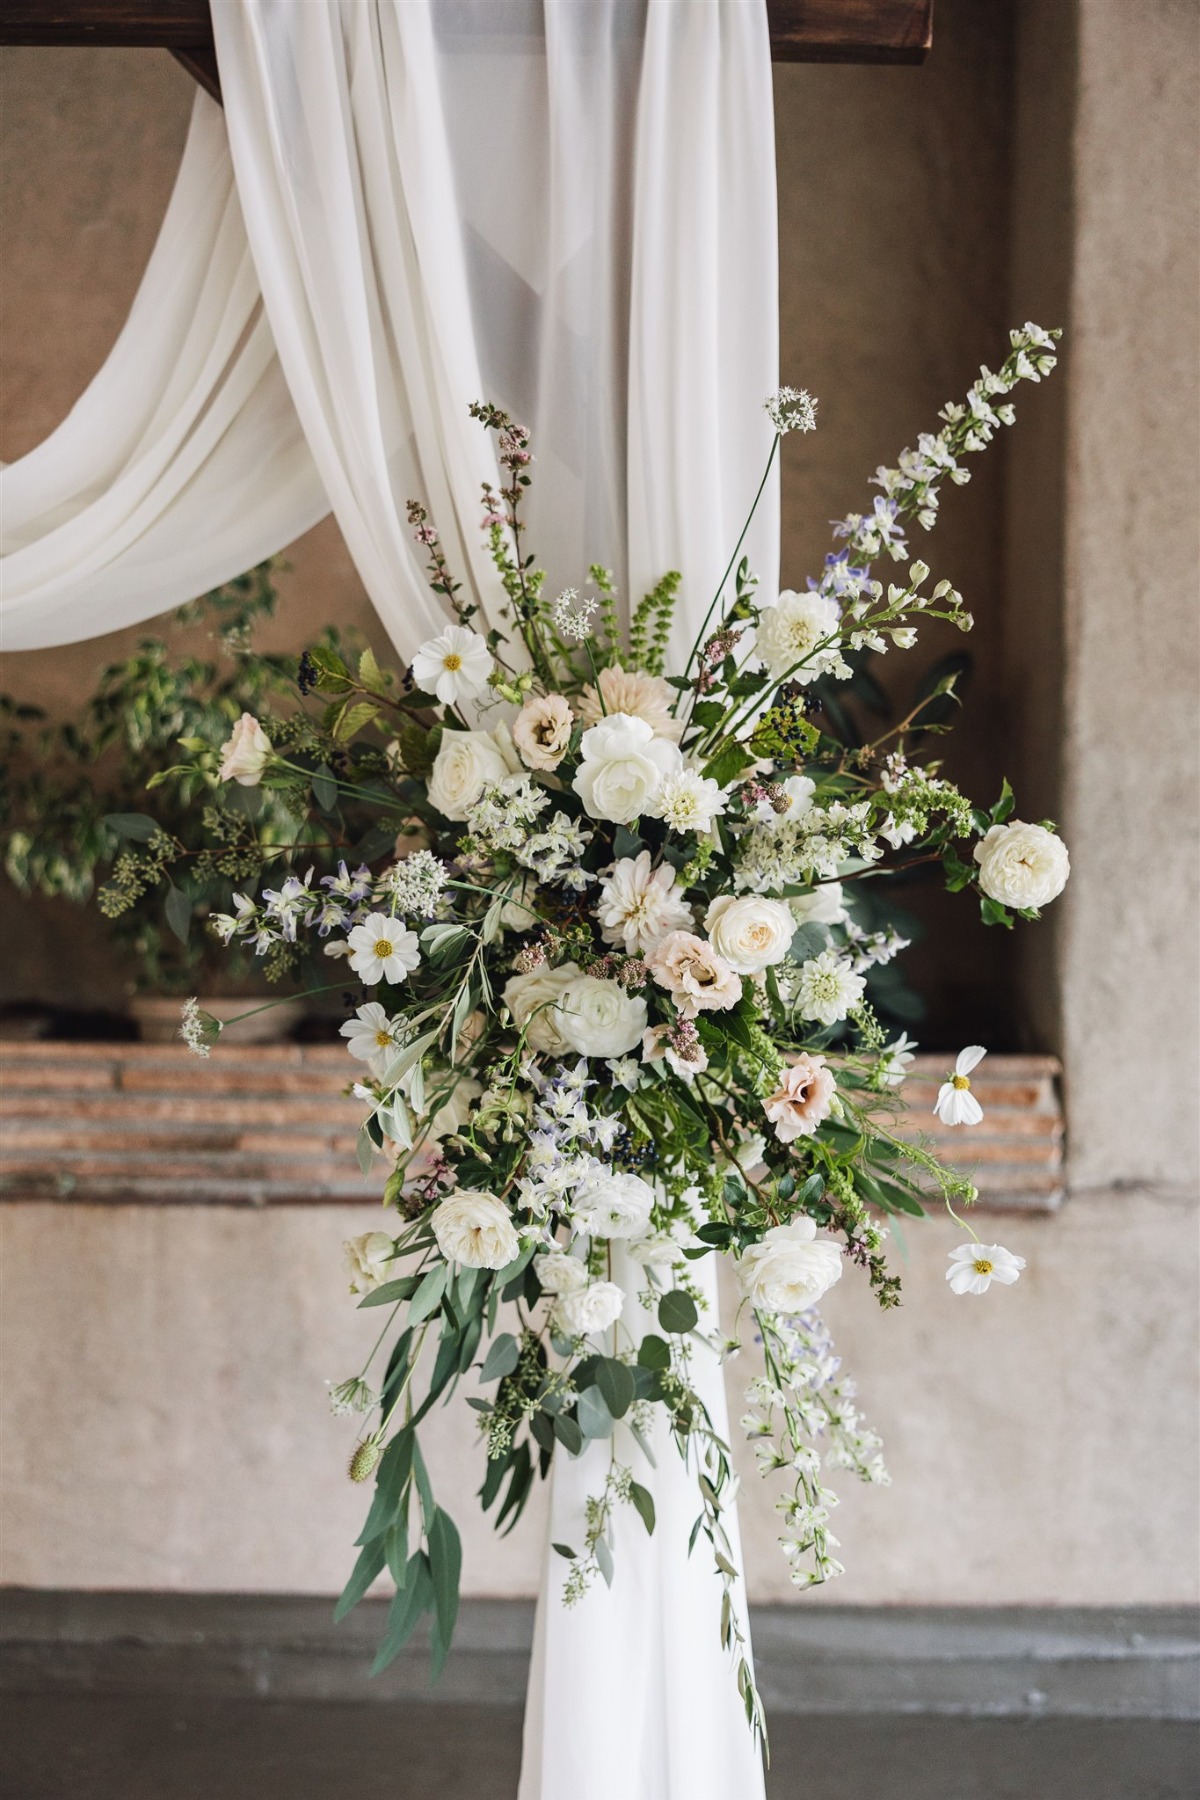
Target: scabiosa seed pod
(362,1463)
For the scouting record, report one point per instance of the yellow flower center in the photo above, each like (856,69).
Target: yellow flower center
(382,1038)
(453,662)
(383,948)
(983,1266)
(959,1081)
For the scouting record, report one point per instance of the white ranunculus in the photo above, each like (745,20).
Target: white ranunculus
(532,1001)
(826,905)
(592,1308)
(599,1018)
(466,762)
(622,767)
(1022,865)
(560,1273)
(790,1269)
(749,932)
(245,753)
(475,1229)
(369,1260)
(789,632)
(613,1205)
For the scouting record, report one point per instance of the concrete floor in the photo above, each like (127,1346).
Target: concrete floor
(119,1747)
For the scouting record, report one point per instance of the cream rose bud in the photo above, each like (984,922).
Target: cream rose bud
(543,731)
(1022,865)
(613,1205)
(622,768)
(560,1273)
(589,1309)
(464,765)
(369,1260)
(532,1001)
(598,1018)
(245,752)
(790,1269)
(475,1229)
(749,932)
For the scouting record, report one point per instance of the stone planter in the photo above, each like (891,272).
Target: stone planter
(157,1017)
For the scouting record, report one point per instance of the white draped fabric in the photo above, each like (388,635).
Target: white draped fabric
(563,206)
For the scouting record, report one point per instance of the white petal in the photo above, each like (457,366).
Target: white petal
(969,1059)
(968,1109)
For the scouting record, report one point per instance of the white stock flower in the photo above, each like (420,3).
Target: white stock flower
(827,989)
(790,1269)
(622,768)
(455,665)
(973,1268)
(368,1260)
(560,1273)
(824,906)
(789,632)
(612,1204)
(245,753)
(749,932)
(532,1001)
(1021,865)
(542,730)
(638,905)
(599,1018)
(466,763)
(382,949)
(688,801)
(372,1037)
(955,1103)
(474,1229)
(798,791)
(589,1309)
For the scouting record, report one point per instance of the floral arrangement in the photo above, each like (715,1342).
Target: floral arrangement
(612,1014)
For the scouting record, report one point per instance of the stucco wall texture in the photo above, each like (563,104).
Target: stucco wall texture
(164,1415)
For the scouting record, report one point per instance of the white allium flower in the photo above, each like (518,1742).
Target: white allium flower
(973,1267)
(688,801)
(371,1036)
(1021,865)
(751,933)
(791,409)
(895,1059)
(956,1104)
(622,767)
(560,1273)
(798,791)
(198,1029)
(368,1260)
(474,1229)
(790,1269)
(455,665)
(382,949)
(600,1018)
(245,752)
(826,905)
(593,1308)
(612,1204)
(638,905)
(827,989)
(573,616)
(466,763)
(789,632)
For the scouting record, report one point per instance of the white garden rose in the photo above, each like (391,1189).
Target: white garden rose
(1022,865)
(560,1273)
(613,1204)
(622,768)
(369,1260)
(790,1269)
(592,1308)
(826,905)
(598,1018)
(245,752)
(474,1229)
(466,762)
(749,932)
(532,1001)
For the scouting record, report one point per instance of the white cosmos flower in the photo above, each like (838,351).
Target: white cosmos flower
(688,801)
(382,949)
(827,988)
(789,632)
(371,1035)
(638,905)
(614,1205)
(956,1104)
(455,665)
(973,1267)
(895,1059)
(622,767)
(798,791)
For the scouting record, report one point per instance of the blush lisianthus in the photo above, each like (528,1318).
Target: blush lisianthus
(803,1100)
(542,731)
(455,665)
(639,904)
(697,979)
(245,753)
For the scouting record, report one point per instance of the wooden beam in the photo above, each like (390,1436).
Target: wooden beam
(846,31)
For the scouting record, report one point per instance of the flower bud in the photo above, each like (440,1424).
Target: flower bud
(362,1463)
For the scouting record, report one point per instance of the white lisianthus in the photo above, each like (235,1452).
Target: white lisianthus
(588,1309)
(824,906)
(368,1260)
(622,767)
(790,1269)
(466,763)
(798,791)
(532,1000)
(599,1018)
(613,1205)
(789,632)
(245,753)
(955,1103)
(372,1037)
(543,730)
(973,1268)
(1024,866)
(827,989)
(382,949)
(638,905)
(474,1229)
(455,665)
(688,802)
(749,932)
(560,1273)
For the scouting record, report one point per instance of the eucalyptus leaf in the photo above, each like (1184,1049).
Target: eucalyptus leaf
(595,1420)
(138,826)
(615,1383)
(502,1357)
(178,909)
(604,1561)
(677,1312)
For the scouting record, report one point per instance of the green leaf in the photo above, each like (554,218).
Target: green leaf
(502,1357)
(324,788)
(568,1434)
(1004,804)
(391,1483)
(138,826)
(541,1427)
(643,1500)
(615,1383)
(370,675)
(604,1561)
(369,1565)
(677,1312)
(727,764)
(178,909)
(626,842)
(429,1293)
(413,1599)
(390,1291)
(595,1420)
(654,1353)
(564,1550)
(445,1559)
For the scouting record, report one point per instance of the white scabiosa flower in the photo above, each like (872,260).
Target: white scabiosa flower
(688,802)
(956,1104)
(371,1036)
(1023,866)
(974,1267)
(639,904)
(455,665)
(381,949)
(827,989)
(789,633)
(474,1229)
